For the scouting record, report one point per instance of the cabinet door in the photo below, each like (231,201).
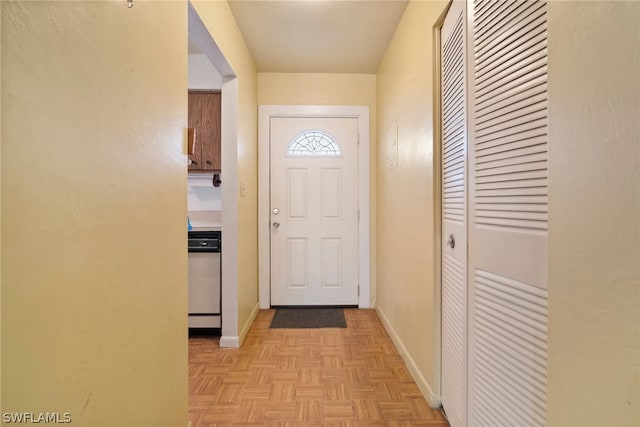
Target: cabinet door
(195,118)
(205,117)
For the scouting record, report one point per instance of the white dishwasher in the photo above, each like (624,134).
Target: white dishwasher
(205,291)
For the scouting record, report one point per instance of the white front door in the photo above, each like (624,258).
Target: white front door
(314,210)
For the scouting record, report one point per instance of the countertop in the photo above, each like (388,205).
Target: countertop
(205,220)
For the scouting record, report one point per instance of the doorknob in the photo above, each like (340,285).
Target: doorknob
(451,241)
(276,224)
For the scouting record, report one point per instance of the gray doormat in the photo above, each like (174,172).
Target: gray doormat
(309,318)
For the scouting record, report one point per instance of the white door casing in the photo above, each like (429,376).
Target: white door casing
(269,114)
(199,34)
(314,208)
(453,131)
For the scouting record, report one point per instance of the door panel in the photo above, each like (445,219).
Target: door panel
(297,187)
(508,214)
(297,261)
(204,282)
(331,263)
(454,228)
(331,187)
(314,211)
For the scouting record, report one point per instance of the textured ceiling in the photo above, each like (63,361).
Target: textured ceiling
(317,36)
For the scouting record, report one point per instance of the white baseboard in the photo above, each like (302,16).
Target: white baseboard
(249,322)
(236,341)
(229,342)
(433,398)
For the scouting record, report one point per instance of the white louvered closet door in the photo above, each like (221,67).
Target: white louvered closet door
(508,214)
(454,227)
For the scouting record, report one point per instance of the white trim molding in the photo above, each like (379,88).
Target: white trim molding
(199,34)
(432,397)
(265,113)
(247,325)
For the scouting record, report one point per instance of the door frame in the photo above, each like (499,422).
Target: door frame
(200,35)
(265,113)
(436,399)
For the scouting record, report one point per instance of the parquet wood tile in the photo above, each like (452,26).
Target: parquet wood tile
(344,377)
(309,411)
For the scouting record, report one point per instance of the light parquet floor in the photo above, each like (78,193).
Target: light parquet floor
(306,377)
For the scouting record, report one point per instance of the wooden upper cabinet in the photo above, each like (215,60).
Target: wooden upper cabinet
(205,113)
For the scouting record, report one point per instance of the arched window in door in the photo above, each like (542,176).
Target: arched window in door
(314,143)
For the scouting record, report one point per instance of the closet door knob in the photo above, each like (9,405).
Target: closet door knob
(451,241)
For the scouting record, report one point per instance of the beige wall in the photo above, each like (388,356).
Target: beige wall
(330,89)
(94,259)
(405,295)
(222,26)
(317,89)
(594,214)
